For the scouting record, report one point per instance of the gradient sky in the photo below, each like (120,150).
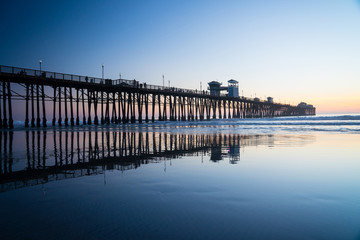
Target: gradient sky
(294,51)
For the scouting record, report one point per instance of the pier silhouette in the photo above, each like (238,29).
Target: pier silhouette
(88,100)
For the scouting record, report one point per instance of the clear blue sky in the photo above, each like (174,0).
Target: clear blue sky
(291,50)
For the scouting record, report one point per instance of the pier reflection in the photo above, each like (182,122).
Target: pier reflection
(56,155)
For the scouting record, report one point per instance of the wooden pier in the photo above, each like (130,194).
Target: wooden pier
(87,100)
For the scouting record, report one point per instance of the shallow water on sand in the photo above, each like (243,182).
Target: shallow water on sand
(161,183)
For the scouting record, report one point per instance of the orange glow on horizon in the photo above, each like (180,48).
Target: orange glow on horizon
(337,105)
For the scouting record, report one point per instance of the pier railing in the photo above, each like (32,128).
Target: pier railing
(94,80)
(117,82)
(47,74)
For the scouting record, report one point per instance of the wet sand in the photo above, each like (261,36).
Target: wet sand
(156,184)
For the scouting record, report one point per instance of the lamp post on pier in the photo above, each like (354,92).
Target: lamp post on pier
(102,67)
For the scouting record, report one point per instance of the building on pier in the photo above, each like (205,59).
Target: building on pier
(215,88)
(304,105)
(232,88)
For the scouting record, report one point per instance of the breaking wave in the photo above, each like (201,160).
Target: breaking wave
(320,123)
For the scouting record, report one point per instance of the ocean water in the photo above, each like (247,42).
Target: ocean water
(321,123)
(335,123)
(276,178)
